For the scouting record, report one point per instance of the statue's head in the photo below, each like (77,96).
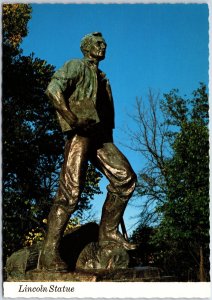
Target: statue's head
(93,46)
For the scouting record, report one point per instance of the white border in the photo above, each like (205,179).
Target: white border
(106,290)
(85,290)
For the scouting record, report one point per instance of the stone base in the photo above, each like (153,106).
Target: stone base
(86,261)
(42,276)
(139,274)
(131,275)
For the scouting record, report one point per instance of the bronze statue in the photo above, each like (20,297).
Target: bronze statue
(83,100)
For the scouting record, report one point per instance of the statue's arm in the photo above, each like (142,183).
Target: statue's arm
(55,91)
(60,105)
(61,80)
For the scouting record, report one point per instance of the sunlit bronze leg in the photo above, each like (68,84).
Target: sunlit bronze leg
(70,186)
(112,213)
(122,184)
(50,259)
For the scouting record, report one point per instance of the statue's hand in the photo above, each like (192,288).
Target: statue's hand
(85,124)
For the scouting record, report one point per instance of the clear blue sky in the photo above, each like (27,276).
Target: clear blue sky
(158,46)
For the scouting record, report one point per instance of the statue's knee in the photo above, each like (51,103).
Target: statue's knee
(127,183)
(73,200)
(68,200)
(131,177)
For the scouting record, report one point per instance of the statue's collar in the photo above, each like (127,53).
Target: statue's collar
(94,66)
(91,63)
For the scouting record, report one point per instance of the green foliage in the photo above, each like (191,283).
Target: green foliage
(32,140)
(181,239)
(14,22)
(186,209)
(38,234)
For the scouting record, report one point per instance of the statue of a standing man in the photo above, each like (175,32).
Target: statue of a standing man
(82,97)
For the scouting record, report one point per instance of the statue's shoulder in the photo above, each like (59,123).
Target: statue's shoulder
(73,63)
(70,68)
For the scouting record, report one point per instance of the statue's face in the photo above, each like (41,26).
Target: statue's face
(97,49)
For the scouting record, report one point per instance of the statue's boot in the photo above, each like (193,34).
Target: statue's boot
(112,212)
(50,259)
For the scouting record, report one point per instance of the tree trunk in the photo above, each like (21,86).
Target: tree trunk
(201,265)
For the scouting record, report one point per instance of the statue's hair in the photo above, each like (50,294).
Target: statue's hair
(87,40)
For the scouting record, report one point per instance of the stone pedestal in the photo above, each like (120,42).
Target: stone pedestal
(120,275)
(41,276)
(86,261)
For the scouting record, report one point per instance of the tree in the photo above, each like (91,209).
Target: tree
(186,209)
(151,140)
(179,184)
(32,140)
(14,23)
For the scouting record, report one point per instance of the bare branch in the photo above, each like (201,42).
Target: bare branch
(150,140)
